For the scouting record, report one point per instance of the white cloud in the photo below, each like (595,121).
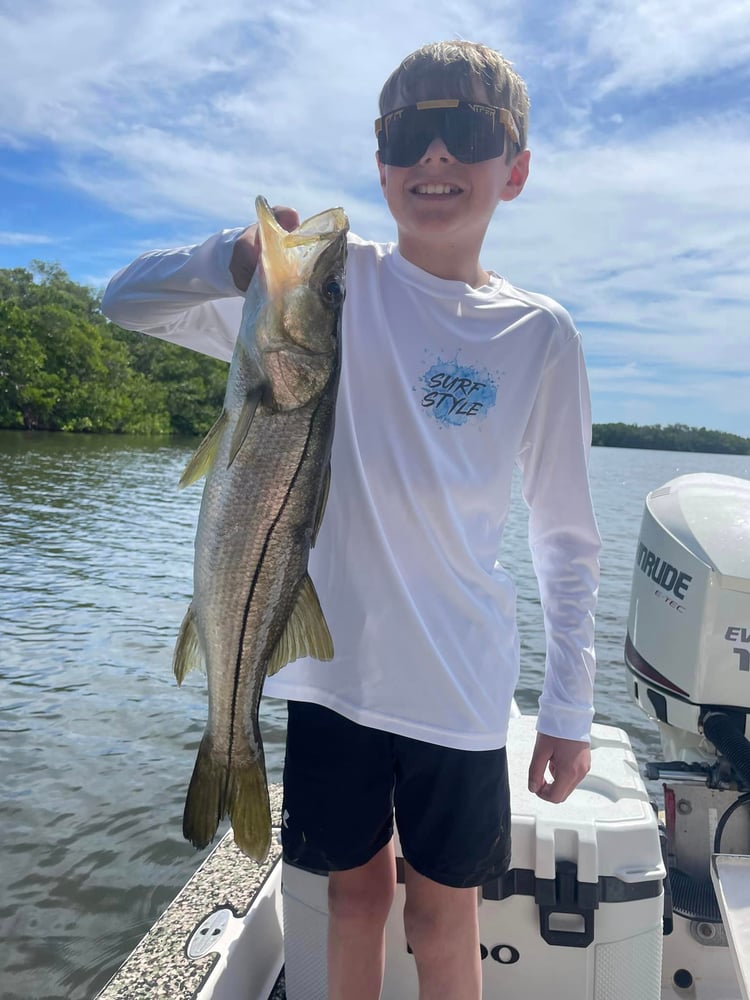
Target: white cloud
(24,239)
(68,66)
(650,43)
(652,239)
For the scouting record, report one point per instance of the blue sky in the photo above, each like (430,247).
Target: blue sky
(128,126)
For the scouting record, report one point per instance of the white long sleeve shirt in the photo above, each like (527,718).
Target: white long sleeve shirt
(444,388)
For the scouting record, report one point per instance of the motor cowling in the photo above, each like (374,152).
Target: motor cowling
(687,649)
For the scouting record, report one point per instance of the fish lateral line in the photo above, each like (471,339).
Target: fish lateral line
(257,573)
(311,614)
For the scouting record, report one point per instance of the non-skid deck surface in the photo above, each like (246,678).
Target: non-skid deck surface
(159,967)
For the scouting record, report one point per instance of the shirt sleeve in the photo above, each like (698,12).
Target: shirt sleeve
(185,295)
(564,540)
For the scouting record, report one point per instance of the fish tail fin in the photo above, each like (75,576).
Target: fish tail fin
(239,790)
(205,805)
(249,808)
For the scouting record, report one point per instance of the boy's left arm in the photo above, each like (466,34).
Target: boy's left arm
(565,543)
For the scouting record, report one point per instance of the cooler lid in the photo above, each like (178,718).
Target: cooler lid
(606,827)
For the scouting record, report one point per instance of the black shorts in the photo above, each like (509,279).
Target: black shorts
(342,782)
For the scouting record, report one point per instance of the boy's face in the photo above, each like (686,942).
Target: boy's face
(439,196)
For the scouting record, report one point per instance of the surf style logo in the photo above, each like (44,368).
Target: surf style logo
(454,394)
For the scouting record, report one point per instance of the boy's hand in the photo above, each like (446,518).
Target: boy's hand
(247,247)
(569,762)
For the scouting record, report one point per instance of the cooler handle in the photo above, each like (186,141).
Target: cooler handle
(565,894)
(567,939)
(632,875)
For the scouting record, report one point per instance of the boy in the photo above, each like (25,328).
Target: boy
(450,377)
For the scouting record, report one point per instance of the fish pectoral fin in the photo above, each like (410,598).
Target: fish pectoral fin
(187,652)
(205,454)
(306,632)
(243,423)
(325,487)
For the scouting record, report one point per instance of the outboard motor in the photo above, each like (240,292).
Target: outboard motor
(687,654)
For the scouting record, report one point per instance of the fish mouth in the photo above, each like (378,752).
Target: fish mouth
(434,188)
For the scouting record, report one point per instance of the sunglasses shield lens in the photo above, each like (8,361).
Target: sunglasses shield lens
(406,137)
(470,135)
(473,136)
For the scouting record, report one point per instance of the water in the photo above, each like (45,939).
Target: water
(98,742)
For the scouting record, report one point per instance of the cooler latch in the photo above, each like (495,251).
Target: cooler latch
(564,894)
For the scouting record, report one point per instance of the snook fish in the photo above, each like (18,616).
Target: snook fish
(267,467)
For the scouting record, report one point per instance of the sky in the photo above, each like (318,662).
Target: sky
(130,126)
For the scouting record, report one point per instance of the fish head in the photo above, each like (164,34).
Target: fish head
(297,335)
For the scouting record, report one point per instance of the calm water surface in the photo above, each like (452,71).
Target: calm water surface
(97,742)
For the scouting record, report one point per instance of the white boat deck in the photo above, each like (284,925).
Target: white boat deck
(731,878)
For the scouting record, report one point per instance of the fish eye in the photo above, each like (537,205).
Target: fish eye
(332,291)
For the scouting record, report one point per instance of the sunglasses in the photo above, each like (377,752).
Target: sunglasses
(471,132)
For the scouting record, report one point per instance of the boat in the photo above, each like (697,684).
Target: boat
(610,895)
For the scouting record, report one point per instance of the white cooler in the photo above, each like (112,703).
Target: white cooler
(578,915)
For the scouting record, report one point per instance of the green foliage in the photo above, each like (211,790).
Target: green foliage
(193,384)
(63,366)
(674,437)
(21,366)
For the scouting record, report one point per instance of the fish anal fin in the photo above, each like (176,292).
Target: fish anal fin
(325,487)
(187,652)
(306,632)
(205,454)
(249,406)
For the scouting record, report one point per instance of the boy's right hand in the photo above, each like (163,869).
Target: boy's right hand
(247,247)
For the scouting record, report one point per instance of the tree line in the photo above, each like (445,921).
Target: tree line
(673,437)
(64,367)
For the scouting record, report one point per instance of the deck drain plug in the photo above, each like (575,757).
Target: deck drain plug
(208,934)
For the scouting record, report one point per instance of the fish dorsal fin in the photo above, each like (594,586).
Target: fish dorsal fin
(205,454)
(306,632)
(325,487)
(187,653)
(249,406)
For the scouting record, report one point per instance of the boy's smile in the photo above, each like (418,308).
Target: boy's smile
(431,190)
